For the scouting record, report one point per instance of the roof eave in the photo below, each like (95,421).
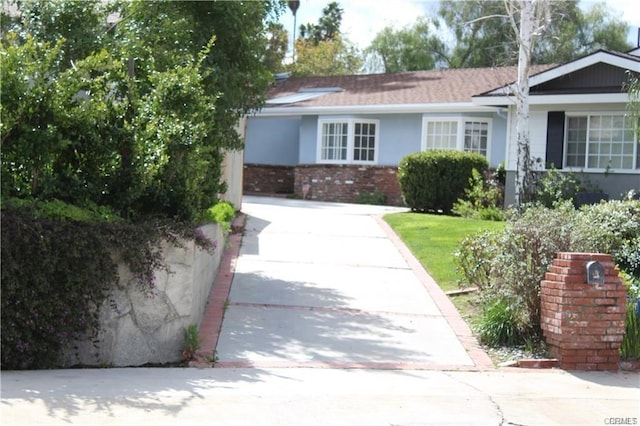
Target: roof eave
(374,109)
(597,98)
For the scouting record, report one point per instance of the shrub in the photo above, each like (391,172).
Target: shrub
(377,198)
(49,299)
(474,259)
(525,251)
(499,324)
(612,227)
(555,186)
(222,213)
(509,266)
(434,180)
(630,347)
(142,149)
(482,199)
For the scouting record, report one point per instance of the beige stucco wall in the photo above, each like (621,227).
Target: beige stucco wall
(232,170)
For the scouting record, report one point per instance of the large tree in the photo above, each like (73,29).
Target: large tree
(411,48)
(277,44)
(480,32)
(573,32)
(483,37)
(328,26)
(322,50)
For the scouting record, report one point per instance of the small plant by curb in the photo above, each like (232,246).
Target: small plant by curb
(192,342)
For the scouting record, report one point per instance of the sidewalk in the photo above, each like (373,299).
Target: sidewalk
(329,322)
(256,396)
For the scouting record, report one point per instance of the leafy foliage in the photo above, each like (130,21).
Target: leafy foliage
(482,200)
(48,300)
(408,49)
(322,50)
(434,180)
(192,342)
(630,347)
(222,213)
(612,227)
(140,120)
(633,89)
(376,197)
(510,265)
(483,36)
(327,57)
(112,141)
(500,324)
(328,26)
(474,259)
(555,187)
(277,43)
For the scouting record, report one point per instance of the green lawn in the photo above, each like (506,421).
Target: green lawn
(434,238)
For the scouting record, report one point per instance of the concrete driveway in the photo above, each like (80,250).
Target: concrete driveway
(325,284)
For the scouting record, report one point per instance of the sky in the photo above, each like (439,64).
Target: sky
(363,19)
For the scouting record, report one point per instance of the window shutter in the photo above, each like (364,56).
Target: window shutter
(555,139)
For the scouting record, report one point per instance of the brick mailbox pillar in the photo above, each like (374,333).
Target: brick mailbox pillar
(583,313)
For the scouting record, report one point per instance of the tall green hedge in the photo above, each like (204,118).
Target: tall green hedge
(434,180)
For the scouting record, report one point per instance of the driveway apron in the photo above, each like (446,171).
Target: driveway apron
(323,285)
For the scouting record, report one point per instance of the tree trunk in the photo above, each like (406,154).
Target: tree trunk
(523,168)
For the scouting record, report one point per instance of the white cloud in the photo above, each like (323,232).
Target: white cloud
(363,20)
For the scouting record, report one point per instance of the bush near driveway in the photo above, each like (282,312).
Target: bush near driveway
(432,181)
(509,265)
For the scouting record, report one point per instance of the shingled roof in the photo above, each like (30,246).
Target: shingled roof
(418,87)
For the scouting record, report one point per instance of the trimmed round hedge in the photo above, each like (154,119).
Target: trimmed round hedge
(434,180)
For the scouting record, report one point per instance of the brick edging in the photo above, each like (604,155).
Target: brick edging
(214,311)
(446,307)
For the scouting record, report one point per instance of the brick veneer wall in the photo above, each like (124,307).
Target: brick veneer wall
(327,182)
(268,179)
(344,183)
(583,324)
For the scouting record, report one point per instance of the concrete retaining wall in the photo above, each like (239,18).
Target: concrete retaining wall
(139,328)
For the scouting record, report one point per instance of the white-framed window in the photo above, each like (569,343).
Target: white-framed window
(348,140)
(476,136)
(459,133)
(600,141)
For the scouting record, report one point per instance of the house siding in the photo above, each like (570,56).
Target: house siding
(598,78)
(616,184)
(308,139)
(399,136)
(272,140)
